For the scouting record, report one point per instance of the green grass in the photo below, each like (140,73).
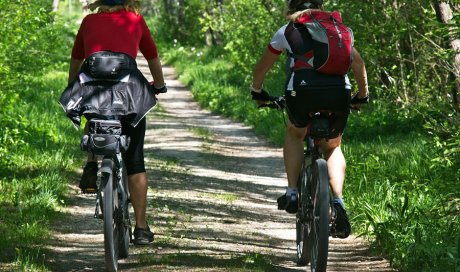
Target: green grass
(227,197)
(246,261)
(402,202)
(203,133)
(38,158)
(401,190)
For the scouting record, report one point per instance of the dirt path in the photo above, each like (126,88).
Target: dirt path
(212,202)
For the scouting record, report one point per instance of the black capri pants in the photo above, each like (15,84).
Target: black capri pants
(134,156)
(336,100)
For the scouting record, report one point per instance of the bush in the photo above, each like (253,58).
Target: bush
(37,145)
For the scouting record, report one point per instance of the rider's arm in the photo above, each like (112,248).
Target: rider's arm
(74,68)
(262,67)
(359,70)
(157,72)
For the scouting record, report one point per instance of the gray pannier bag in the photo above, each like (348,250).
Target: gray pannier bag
(105,138)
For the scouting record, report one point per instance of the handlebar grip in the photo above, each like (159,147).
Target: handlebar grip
(276,102)
(356,100)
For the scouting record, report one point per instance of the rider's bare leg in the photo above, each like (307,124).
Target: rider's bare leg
(293,153)
(335,164)
(138,186)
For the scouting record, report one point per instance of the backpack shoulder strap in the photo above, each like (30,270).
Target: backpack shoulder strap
(297,56)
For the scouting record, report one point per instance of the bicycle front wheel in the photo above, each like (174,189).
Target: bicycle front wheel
(123,221)
(320,223)
(110,206)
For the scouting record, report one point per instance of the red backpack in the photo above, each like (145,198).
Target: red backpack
(332,42)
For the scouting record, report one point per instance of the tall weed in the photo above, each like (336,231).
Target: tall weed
(397,196)
(36,160)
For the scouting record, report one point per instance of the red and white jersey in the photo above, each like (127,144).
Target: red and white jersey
(293,38)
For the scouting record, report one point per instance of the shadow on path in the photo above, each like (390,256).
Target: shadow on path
(211,203)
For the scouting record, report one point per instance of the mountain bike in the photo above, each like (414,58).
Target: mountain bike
(112,196)
(316,213)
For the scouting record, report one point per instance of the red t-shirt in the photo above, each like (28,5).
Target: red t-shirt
(120,31)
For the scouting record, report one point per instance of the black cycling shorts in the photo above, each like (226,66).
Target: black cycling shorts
(134,157)
(336,100)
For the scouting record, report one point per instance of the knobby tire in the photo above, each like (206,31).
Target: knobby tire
(110,206)
(123,223)
(302,226)
(320,222)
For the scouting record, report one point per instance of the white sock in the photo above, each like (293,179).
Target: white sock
(291,191)
(340,201)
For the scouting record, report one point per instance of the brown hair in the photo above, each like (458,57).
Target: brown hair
(129,5)
(296,8)
(296,15)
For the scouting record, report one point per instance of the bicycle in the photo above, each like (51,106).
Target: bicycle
(316,214)
(112,195)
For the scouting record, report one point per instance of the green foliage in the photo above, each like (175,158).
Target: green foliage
(404,47)
(26,46)
(402,150)
(178,20)
(248,26)
(398,198)
(36,159)
(36,144)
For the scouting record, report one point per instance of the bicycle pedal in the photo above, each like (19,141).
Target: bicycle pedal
(88,191)
(333,215)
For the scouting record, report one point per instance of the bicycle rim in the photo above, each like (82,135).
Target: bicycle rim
(123,222)
(302,226)
(320,223)
(109,214)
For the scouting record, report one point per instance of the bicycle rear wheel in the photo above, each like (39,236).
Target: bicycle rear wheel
(123,221)
(302,225)
(110,207)
(319,238)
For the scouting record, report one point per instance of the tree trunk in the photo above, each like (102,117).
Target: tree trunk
(444,15)
(55,5)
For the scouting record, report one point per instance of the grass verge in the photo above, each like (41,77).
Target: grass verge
(402,201)
(37,159)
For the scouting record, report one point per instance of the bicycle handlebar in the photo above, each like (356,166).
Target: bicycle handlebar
(156,90)
(279,103)
(275,102)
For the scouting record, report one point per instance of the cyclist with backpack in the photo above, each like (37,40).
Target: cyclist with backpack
(313,86)
(112,37)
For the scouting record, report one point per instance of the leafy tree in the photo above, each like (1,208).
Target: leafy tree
(30,42)
(410,57)
(444,15)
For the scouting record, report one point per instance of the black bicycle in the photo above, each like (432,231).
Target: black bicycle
(316,213)
(112,196)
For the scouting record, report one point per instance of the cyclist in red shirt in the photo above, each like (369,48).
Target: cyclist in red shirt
(307,89)
(117,26)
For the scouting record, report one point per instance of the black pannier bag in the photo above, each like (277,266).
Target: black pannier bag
(108,65)
(105,138)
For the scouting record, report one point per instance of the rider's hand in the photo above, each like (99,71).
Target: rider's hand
(158,90)
(260,96)
(358,99)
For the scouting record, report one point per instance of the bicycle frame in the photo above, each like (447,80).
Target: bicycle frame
(315,212)
(112,195)
(110,162)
